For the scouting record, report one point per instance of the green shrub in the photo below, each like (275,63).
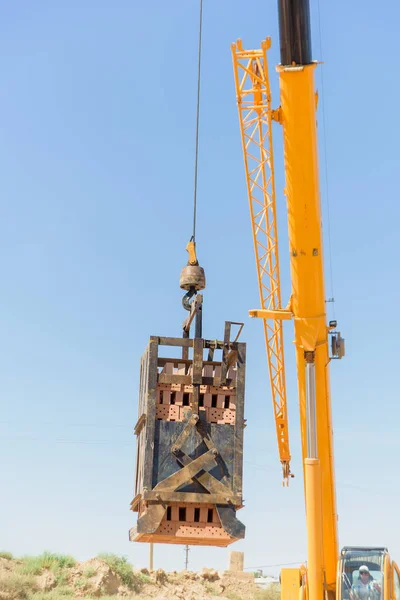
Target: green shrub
(89,572)
(61,577)
(6,555)
(143,578)
(120,565)
(33,565)
(81,583)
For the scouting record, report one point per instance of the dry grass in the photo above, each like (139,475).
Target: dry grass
(272,593)
(16,586)
(6,555)
(61,593)
(33,565)
(120,565)
(19,581)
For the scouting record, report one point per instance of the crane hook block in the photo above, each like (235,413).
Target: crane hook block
(192,276)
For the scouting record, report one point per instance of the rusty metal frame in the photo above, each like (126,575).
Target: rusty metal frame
(157,497)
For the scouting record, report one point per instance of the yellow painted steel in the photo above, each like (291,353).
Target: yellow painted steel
(315,577)
(290,583)
(191,249)
(298,118)
(255,117)
(297,115)
(388,579)
(282,315)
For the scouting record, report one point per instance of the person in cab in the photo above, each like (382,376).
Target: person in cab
(366,587)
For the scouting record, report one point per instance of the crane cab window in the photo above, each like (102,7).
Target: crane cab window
(362,575)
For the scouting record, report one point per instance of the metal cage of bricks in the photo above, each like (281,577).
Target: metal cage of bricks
(190,442)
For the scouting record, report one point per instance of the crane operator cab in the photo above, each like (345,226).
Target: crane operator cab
(367,574)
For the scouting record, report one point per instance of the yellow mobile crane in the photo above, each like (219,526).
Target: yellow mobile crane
(327,573)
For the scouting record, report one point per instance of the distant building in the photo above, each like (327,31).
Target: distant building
(265,582)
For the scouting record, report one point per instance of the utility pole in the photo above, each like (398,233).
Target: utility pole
(151,558)
(186,557)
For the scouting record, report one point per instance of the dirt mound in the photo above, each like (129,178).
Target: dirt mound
(46,581)
(51,576)
(94,578)
(14,587)
(207,585)
(209,574)
(6,565)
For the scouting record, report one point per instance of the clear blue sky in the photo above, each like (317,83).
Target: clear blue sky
(97,113)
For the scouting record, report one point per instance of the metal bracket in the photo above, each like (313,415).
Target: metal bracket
(195,313)
(229,354)
(337,345)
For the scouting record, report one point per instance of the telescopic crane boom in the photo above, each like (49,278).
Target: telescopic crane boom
(324,575)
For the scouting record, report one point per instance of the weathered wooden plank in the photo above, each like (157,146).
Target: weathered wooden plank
(225,350)
(170,341)
(135,502)
(141,439)
(197,361)
(216,381)
(176,361)
(195,399)
(230,522)
(149,522)
(187,380)
(182,497)
(188,343)
(185,349)
(213,344)
(209,482)
(185,475)
(140,424)
(151,414)
(172,379)
(237,482)
(186,431)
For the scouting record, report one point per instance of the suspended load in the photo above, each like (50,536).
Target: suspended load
(190,436)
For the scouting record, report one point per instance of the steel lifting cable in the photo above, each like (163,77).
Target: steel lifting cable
(192,276)
(196,161)
(328,212)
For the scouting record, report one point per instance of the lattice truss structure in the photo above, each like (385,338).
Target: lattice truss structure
(255,117)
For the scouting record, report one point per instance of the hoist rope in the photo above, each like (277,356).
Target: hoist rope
(196,161)
(326,165)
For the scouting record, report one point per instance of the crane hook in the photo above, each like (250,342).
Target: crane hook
(188,298)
